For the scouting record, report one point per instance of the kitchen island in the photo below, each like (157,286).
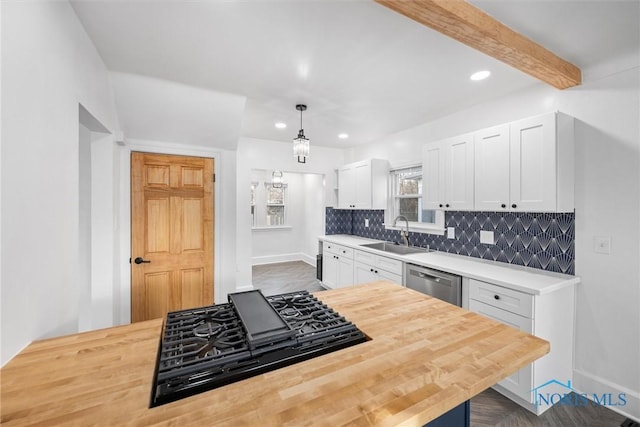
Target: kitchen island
(424,357)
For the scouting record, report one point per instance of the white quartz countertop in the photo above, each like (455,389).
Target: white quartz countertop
(530,280)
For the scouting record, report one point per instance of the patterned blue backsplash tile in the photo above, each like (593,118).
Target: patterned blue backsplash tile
(338,221)
(539,240)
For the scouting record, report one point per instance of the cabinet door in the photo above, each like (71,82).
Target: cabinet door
(533,164)
(392,277)
(458,173)
(346,188)
(330,270)
(362,179)
(433,189)
(521,382)
(345,272)
(363,273)
(491,159)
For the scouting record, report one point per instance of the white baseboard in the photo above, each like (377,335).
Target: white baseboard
(311,260)
(589,384)
(274,259)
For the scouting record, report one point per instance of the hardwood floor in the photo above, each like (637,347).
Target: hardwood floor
(489,408)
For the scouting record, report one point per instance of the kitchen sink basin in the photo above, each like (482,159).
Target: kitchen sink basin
(395,248)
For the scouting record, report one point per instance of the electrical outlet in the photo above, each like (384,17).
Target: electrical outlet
(366,222)
(602,244)
(451,232)
(486,237)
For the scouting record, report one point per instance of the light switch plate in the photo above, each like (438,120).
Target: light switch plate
(486,237)
(602,244)
(366,222)
(451,232)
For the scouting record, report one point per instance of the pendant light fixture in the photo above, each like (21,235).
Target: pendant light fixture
(301,143)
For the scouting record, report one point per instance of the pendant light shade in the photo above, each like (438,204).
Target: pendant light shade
(301,143)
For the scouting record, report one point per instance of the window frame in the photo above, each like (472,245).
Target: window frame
(268,187)
(436,227)
(253,204)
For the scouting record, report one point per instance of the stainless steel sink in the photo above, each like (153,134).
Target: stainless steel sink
(395,248)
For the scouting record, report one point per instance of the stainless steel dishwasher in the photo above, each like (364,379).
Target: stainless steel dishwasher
(438,284)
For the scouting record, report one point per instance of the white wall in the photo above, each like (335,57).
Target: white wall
(84,219)
(49,67)
(607,343)
(314,208)
(263,154)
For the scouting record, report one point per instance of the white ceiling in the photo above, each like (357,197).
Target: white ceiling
(360,67)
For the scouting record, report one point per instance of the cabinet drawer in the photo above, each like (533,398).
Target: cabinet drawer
(379,262)
(522,323)
(395,278)
(365,257)
(389,264)
(500,297)
(332,248)
(345,252)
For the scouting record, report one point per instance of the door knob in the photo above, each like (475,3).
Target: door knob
(140,260)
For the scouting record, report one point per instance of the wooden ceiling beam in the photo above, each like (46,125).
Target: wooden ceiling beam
(473,27)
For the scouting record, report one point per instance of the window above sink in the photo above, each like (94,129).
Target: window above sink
(406,200)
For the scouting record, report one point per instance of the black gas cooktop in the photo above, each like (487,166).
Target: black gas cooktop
(209,347)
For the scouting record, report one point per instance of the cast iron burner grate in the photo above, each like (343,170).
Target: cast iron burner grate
(209,347)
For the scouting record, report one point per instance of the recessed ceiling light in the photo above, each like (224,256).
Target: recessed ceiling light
(343,135)
(281,125)
(480,75)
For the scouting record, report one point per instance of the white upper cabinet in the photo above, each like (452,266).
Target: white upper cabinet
(526,166)
(448,174)
(433,176)
(491,147)
(458,172)
(542,150)
(363,185)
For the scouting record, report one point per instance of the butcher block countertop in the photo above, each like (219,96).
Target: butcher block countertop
(424,358)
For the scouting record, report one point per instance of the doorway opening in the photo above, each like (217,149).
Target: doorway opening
(287,210)
(93,140)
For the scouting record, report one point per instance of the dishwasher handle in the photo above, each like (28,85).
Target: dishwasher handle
(428,276)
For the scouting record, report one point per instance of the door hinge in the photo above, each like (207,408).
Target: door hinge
(214,177)
(129,260)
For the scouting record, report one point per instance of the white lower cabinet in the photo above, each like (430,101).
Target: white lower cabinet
(337,265)
(548,316)
(343,266)
(521,382)
(370,267)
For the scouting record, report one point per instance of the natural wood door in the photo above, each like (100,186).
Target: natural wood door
(172,231)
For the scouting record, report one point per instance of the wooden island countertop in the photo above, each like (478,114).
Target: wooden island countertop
(424,358)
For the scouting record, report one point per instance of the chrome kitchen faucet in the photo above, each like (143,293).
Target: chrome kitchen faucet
(403,234)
